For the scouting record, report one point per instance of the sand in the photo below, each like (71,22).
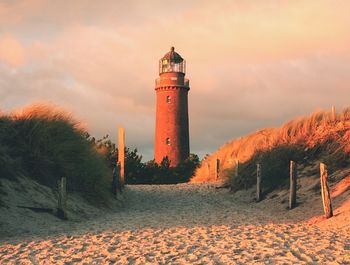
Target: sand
(189,224)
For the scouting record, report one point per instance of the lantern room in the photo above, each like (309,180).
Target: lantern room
(172,62)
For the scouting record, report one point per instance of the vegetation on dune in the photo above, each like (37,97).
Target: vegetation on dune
(45,143)
(275,168)
(137,172)
(321,136)
(152,173)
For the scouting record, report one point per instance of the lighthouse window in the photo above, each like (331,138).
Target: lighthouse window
(168,99)
(167,141)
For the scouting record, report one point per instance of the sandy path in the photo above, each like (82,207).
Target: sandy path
(184,224)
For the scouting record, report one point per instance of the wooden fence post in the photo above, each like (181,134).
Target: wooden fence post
(258,182)
(334,114)
(121,154)
(235,172)
(326,197)
(217,169)
(236,168)
(62,198)
(293,185)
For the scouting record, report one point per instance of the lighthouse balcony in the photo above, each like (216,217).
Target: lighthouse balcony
(172,81)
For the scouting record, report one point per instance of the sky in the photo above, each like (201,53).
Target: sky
(251,64)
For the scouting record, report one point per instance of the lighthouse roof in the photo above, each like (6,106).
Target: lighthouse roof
(173,56)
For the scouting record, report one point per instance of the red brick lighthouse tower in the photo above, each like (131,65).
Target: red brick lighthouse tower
(172,133)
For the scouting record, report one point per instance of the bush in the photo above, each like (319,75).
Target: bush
(10,165)
(164,174)
(275,168)
(323,135)
(46,144)
(276,162)
(150,172)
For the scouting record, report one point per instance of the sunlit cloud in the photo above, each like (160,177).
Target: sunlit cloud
(251,64)
(11,51)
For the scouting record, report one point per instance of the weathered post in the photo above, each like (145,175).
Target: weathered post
(236,168)
(326,197)
(121,154)
(235,172)
(293,185)
(116,186)
(217,169)
(62,198)
(258,182)
(334,114)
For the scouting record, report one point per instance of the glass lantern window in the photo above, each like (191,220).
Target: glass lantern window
(166,66)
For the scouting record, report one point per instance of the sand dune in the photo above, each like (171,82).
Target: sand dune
(187,224)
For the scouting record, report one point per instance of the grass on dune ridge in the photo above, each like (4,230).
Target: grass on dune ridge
(45,143)
(319,136)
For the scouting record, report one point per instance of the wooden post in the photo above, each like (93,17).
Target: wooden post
(62,198)
(121,154)
(235,172)
(258,182)
(236,168)
(293,185)
(326,197)
(217,169)
(334,114)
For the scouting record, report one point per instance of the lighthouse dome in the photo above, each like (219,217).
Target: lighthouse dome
(172,56)
(172,62)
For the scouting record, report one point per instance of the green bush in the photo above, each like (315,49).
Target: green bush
(275,164)
(150,172)
(164,174)
(275,168)
(10,165)
(153,173)
(47,147)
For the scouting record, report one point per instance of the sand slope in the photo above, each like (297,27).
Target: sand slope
(187,224)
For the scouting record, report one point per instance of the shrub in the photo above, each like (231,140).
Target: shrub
(150,172)
(45,144)
(153,173)
(323,136)
(164,174)
(275,168)
(10,165)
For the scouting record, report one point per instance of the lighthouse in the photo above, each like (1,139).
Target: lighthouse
(172,128)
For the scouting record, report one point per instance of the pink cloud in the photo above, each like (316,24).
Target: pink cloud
(250,63)
(12,52)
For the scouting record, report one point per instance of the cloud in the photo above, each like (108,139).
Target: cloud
(251,64)
(11,51)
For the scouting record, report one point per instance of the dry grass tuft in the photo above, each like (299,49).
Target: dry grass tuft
(45,143)
(319,135)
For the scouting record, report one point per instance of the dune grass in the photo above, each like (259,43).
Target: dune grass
(45,143)
(275,168)
(320,136)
